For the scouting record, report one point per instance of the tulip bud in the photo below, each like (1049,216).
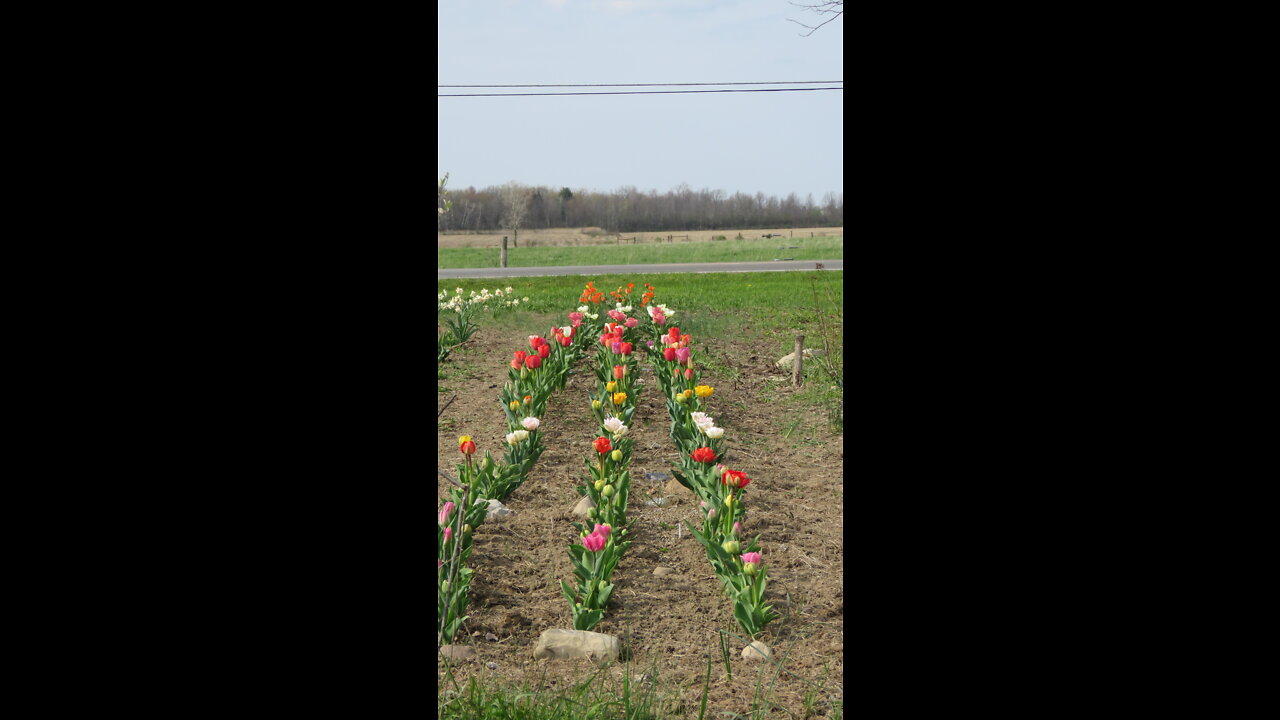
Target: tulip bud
(728,502)
(599,484)
(682,398)
(595,404)
(611,386)
(607,491)
(444,587)
(749,568)
(737,529)
(731,546)
(524,373)
(602,586)
(616,455)
(711,514)
(486,463)
(514,406)
(719,471)
(466,529)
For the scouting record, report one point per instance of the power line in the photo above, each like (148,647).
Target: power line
(793,82)
(639,92)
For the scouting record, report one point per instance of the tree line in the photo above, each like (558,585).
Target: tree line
(627,210)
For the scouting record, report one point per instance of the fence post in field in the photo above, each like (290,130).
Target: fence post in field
(503,257)
(796,368)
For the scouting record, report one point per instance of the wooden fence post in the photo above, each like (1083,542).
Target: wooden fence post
(504,251)
(797,367)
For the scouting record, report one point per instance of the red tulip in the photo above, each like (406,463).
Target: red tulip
(735,478)
(626,348)
(688,374)
(533,362)
(673,333)
(668,353)
(566,342)
(468,448)
(602,445)
(704,455)
(619,372)
(544,350)
(535,341)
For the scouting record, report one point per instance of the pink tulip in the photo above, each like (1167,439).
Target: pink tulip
(446,512)
(659,318)
(602,530)
(752,558)
(737,529)
(650,344)
(688,374)
(593,542)
(439,564)
(631,322)
(448,535)
(576,317)
(617,347)
(682,355)
(617,315)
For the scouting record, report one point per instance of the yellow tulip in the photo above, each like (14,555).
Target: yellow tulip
(611,386)
(619,398)
(704,391)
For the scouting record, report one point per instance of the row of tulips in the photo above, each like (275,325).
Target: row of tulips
(602,541)
(532,377)
(737,562)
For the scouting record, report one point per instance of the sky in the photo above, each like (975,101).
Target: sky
(774,143)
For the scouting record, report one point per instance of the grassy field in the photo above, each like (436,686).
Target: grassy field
(759,249)
(577,237)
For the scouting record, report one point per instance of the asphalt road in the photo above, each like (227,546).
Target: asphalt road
(729,267)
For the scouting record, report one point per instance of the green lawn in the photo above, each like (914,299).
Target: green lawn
(759,249)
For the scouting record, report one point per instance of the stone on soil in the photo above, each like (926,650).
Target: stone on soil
(674,490)
(789,359)
(458,653)
(757,651)
(497,511)
(556,644)
(661,571)
(585,504)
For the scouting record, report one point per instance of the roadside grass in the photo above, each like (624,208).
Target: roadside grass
(631,695)
(755,250)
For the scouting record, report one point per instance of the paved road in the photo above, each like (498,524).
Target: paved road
(729,267)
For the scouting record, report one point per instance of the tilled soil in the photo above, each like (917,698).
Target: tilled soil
(794,502)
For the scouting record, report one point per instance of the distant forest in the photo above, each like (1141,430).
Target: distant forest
(628,209)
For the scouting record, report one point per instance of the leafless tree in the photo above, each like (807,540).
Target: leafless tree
(834,9)
(515,207)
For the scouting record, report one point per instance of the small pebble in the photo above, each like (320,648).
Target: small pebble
(491,637)
(491,665)
(657,502)
(661,571)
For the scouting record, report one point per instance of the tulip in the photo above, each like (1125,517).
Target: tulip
(595,404)
(544,351)
(515,406)
(650,344)
(528,399)
(466,529)
(611,386)
(616,455)
(625,348)
(619,371)
(607,491)
(631,322)
(614,425)
(602,585)
(519,358)
(602,445)
(735,479)
(703,391)
(448,535)
(486,463)
(682,398)
(598,484)
(565,341)
(535,341)
(591,513)
(737,529)
(530,423)
(617,346)
(533,362)
(682,354)
(669,353)
(731,546)
(444,587)
(749,562)
(439,564)
(603,530)
(714,432)
(446,512)
(619,398)
(673,333)
(593,542)
(688,374)
(575,316)
(616,315)
(711,514)
(524,372)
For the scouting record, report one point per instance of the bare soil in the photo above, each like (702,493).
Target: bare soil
(596,236)
(795,503)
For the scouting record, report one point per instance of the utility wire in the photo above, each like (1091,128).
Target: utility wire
(638,92)
(794,82)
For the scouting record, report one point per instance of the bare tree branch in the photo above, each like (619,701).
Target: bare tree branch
(834,9)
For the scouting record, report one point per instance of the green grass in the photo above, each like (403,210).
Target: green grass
(819,248)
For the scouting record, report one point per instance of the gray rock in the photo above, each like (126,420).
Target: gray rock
(458,653)
(656,502)
(657,476)
(491,637)
(497,511)
(757,651)
(585,504)
(662,571)
(491,665)
(558,644)
(790,358)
